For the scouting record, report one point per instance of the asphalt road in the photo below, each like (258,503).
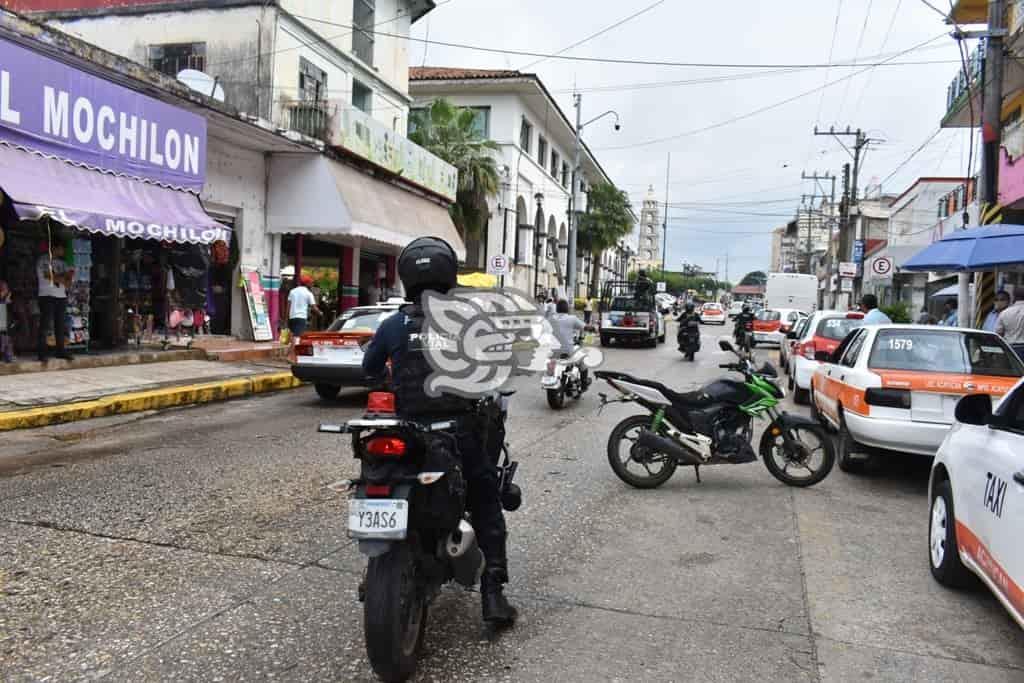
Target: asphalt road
(202,544)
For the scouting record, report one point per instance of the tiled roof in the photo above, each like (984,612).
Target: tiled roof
(442,73)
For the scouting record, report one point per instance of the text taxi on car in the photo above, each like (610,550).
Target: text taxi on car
(895,387)
(334,358)
(977,499)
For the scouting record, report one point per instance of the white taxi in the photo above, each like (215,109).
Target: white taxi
(713,313)
(976,491)
(894,388)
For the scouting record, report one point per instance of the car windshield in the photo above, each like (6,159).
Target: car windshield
(836,329)
(367,321)
(713,308)
(967,353)
(769,316)
(624,303)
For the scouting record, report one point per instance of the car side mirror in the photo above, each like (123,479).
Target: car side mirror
(974,409)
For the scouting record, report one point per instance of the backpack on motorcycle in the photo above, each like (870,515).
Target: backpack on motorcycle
(440,505)
(412,370)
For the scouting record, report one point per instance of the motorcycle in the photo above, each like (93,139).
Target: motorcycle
(712,426)
(564,378)
(745,337)
(689,338)
(407,510)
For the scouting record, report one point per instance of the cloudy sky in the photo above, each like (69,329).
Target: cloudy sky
(734,182)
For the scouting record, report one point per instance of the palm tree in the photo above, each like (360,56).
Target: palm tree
(607,220)
(448,132)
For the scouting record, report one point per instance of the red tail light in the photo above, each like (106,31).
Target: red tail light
(386,446)
(808,350)
(854,315)
(304,350)
(628,321)
(380,402)
(378,490)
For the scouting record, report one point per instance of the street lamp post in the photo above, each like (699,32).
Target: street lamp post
(573,213)
(539,197)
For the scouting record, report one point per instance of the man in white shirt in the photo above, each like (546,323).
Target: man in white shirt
(1010,325)
(53,275)
(300,302)
(873,316)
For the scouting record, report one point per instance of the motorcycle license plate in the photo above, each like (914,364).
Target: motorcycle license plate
(549,381)
(373,518)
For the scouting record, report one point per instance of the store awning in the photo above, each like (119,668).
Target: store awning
(991,246)
(313,195)
(100,202)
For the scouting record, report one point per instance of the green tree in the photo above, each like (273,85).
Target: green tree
(450,133)
(607,220)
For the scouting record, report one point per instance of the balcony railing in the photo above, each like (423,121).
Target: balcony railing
(311,118)
(962,84)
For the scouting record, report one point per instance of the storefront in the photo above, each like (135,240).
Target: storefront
(106,179)
(329,212)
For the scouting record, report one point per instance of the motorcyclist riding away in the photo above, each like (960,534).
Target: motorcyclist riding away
(745,318)
(430,263)
(566,327)
(687,316)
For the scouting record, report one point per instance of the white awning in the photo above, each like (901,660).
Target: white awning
(313,195)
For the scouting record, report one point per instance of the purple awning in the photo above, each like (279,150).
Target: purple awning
(102,203)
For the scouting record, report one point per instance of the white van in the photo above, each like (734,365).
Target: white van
(792,291)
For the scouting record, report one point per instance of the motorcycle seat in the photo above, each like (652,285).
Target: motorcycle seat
(688,399)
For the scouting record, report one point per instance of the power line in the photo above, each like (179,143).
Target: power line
(860,43)
(912,155)
(885,41)
(755,112)
(599,33)
(835,32)
(603,60)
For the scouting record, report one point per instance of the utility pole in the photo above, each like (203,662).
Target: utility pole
(991,132)
(810,226)
(664,229)
(861,142)
(570,267)
(817,181)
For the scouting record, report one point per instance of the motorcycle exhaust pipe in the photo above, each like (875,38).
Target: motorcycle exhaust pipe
(463,552)
(654,442)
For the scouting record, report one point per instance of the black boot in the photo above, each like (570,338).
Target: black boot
(496,609)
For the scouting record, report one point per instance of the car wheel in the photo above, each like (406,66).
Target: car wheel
(847,449)
(943,549)
(327,392)
(661,339)
(604,340)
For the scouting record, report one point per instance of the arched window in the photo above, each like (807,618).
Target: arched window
(524,235)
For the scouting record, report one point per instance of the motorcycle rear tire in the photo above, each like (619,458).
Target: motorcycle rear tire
(394,614)
(556,398)
(617,435)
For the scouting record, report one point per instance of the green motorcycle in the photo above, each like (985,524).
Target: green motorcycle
(713,426)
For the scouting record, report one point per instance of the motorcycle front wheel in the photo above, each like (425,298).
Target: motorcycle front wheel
(394,614)
(805,462)
(651,469)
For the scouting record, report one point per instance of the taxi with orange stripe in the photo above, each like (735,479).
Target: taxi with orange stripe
(894,388)
(976,491)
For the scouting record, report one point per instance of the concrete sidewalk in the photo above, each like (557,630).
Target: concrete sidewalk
(46,398)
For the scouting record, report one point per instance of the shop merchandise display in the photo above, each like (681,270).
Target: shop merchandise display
(79,294)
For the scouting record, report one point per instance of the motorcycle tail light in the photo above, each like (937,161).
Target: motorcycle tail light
(380,402)
(386,446)
(378,490)
(551,366)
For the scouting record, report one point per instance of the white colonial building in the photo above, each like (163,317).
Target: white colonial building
(530,216)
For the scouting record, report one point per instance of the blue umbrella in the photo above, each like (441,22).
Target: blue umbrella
(991,246)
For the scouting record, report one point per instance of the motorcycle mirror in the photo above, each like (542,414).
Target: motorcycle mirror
(511,498)
(725,345)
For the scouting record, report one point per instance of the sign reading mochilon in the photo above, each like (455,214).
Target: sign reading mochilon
(56,109)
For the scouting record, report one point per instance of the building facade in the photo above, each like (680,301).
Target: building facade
(529,221)
(342,204)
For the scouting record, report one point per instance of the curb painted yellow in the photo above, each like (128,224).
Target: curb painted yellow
(154,399)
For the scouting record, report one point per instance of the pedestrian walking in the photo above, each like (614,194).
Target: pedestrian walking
(873,316)
(6,347)
(588,310)
(949,313)
(53,275)
(925,318)
(300,302)
(1001,303)
(1010,325)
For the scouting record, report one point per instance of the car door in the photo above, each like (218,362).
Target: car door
(838,375)
(1000,509)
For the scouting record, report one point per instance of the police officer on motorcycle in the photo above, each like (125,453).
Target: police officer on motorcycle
(430,263)
(688,315)
(746,317)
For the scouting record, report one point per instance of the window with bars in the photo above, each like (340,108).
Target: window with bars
(525,136)
(565,174)
(555,163)
(312,82)
(542,150)
(173,58)
(363,14)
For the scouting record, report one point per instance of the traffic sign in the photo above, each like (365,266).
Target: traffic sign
(847,269)
(882,266)
(498,265)
(660,286)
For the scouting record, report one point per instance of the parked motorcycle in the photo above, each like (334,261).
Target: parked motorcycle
(712,426)
(408,511)
(689,338)
(564,378)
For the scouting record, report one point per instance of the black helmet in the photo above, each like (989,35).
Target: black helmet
(689,307)
(641,273)
(746,308)
(427,263)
